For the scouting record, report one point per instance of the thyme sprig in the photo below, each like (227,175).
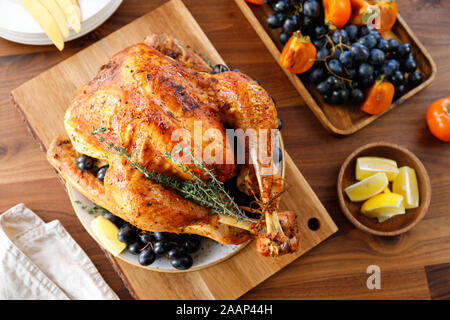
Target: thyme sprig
(204,58)
(92,210)
(212,193)
(209,193)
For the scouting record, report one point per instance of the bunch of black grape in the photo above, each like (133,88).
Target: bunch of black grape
(150,246)
(293,15)
(351,59)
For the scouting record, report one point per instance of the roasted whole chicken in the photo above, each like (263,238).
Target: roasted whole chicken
(140,98)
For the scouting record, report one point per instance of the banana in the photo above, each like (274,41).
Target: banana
(58,14)
(46,21)
(72,12)
(78,12)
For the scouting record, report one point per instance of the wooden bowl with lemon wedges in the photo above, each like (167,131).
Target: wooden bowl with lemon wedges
(383,189)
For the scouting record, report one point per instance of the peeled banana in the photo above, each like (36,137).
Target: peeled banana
(53,15)
(58,14)
(72,11)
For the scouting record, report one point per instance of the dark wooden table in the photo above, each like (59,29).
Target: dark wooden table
(413,266)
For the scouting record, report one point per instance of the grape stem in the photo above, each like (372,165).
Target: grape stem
(333,49)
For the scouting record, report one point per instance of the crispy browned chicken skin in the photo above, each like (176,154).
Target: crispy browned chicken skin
(143,95)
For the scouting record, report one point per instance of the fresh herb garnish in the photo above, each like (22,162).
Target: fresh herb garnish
(97,209)
(92,210)
(210,193)
(204,58)
(83,206)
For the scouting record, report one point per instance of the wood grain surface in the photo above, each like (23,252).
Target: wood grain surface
(415,265)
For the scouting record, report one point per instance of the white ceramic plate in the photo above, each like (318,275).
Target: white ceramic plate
(17,24)
(210,253)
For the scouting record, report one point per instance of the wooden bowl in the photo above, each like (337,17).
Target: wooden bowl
(397,224)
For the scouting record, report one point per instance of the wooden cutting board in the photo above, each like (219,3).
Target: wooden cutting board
(43,100)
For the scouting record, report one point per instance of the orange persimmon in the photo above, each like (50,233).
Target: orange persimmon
(337,12)
(298,53)
(381,14)
(438,119)
(379,97)
(359,8)
(388,14)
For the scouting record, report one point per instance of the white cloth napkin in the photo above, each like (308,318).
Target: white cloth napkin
(42,261)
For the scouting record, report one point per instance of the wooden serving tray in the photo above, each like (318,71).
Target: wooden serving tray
(43,100)
(344,119)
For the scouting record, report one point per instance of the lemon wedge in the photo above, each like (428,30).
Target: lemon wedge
(382,217)
(383,204)
(406,185)
(368,166)
(106,231)
(367,188)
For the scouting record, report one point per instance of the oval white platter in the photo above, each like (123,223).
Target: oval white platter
(17,24)
(210,253)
